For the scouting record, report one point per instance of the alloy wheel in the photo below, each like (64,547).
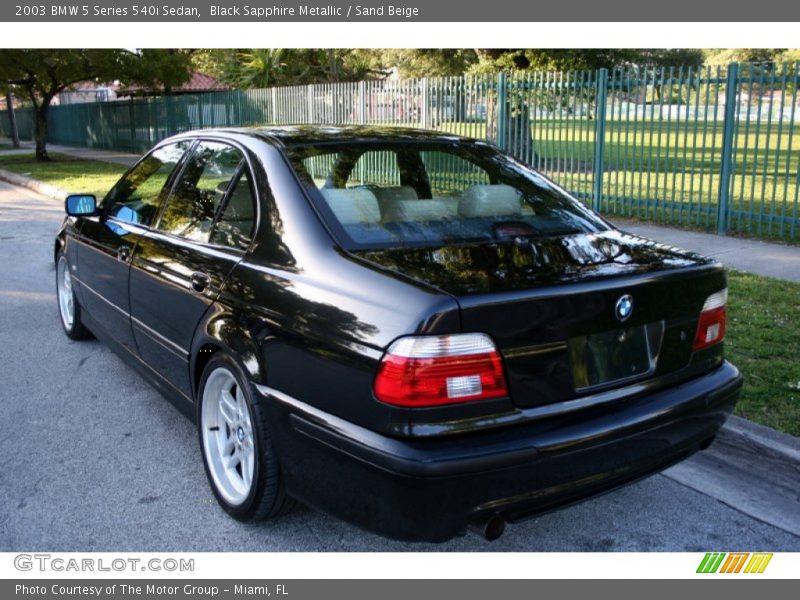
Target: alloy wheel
(228,440)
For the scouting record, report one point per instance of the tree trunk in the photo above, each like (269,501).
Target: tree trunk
(492,119)
(41,132)
(517,129)
(12,120)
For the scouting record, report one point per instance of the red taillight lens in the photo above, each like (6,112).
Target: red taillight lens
(434,370)
(711,326)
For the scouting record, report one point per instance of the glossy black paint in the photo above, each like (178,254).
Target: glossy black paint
(167,302)
(429,489)
(309,321)
(103,258)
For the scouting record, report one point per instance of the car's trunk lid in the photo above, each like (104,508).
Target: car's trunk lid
(555,306)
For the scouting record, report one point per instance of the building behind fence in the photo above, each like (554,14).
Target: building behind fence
(716,148)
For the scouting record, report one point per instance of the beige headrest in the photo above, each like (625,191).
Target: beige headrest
(351,206)
(420,210)
(490,201)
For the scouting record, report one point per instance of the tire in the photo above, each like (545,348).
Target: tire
(69,310)
(239,458)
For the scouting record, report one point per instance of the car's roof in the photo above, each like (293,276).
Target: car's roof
(289,135)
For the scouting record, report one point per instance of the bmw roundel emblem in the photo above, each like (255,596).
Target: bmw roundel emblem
(624,307)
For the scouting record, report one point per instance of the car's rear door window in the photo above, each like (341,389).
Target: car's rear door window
(197,197)
(236,222)
(137,196)
(394,194)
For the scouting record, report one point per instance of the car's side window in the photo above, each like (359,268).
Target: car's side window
(234,227)
(197,196)
(137,196)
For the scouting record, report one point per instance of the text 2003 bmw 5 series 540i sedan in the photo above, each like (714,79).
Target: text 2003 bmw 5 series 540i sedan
(406,329)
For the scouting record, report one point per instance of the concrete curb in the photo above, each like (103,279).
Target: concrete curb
(748,435)
(33,184)
(736,431)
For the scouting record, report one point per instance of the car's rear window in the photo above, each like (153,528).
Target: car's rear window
(390,194)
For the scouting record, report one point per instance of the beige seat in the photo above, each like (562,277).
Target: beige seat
(490,201)
(418,211)
(350,206)
(395,192)
(389,195)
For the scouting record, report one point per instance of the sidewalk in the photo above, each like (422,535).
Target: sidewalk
(121,158)
(762,258)
(754,256)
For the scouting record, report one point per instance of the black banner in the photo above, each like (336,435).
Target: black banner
(333,589)
(402,10)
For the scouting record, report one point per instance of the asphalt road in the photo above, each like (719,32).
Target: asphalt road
(93,459)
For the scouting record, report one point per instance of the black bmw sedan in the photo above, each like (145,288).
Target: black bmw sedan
(406,329)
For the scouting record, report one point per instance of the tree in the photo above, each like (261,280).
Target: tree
(494,60)
(43,74)
(259,68)
(157,68)
(666,57)
(12,118)
(725,56)
(791,55)
(427,62)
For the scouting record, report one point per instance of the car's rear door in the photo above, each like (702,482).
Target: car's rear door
(108,241)
(180,263)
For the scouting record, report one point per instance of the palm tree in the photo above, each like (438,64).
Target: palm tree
(260,67)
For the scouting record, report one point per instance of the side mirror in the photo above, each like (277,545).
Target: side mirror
(80,205)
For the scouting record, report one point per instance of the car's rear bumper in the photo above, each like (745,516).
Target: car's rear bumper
(432,489)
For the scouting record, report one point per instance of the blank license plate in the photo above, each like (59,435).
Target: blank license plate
(610,357)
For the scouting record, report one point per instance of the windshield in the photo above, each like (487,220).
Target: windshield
(391,194)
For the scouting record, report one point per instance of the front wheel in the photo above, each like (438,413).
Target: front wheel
(239,458)
(68,308)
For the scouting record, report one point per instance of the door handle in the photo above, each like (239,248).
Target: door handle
(124,253)
(200,282)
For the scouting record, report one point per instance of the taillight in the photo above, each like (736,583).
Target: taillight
(711,326)
(444,369)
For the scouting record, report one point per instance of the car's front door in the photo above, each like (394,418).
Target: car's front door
(108,241)
(180,264)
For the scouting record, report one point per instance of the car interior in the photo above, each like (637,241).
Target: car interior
(387,197)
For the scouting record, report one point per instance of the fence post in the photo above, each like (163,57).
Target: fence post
(132,117)
(150,137)
(423,92)
(362,102)
(170,110)
(601,98)
(727,147)
(310,94)
(502,109)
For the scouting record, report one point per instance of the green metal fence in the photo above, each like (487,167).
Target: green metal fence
(715,148)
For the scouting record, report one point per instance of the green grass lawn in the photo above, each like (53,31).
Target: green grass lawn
(763,340)
(67,173)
